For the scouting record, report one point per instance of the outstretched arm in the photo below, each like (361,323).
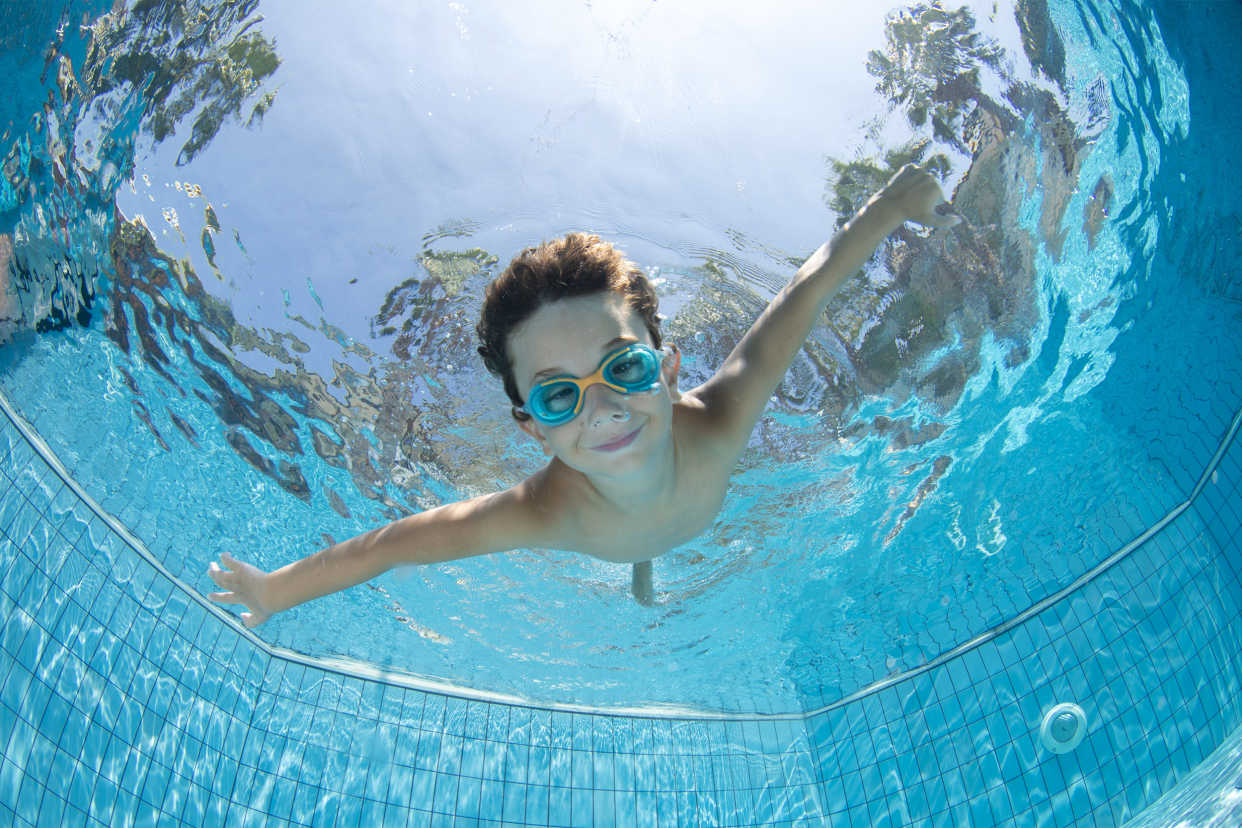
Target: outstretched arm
(735,397)
(492,523)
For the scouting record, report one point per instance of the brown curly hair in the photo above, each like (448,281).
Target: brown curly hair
(566,268)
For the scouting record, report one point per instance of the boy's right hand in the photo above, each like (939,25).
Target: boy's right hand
(246,583)
(641,587)
(913,195)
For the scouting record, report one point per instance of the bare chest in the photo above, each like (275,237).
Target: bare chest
(678,518)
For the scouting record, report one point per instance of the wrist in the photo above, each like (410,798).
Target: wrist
(262,593)
(883,208)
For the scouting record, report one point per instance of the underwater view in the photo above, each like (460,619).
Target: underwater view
(244,243)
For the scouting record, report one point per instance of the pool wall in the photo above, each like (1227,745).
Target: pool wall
(125,699)
(1149,648)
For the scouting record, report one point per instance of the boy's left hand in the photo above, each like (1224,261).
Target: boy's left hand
(247,585)
(912,195)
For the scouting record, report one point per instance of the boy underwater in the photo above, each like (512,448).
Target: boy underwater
(638,467)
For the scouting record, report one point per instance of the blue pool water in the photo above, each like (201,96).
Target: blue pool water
(1010,448)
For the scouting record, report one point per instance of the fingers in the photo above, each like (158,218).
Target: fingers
(906,171)
(938,221)
(236,576)
(250,619)
(254,619)
(918,193)
(222,577)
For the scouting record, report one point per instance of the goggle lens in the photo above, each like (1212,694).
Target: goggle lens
(555,399)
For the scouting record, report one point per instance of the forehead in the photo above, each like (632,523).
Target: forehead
(571,334)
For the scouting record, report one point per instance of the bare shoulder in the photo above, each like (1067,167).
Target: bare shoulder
(536,510)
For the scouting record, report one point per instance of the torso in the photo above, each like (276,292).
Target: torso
(583,524)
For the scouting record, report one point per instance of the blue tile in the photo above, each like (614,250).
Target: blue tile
(16,460)
(1080,800)
(865,747)
(10,438)
(955,787)
(882,738)
(990,771)
(12,504)
(602,770)
(491,799)
(936,725)
(1006,693)
(581,807)
(1000,803)
(852,784)
(27,482)
(872,783)
(835,798)
(980,810)
(1019,794)
(1062,810)
(847,757)
(981,738)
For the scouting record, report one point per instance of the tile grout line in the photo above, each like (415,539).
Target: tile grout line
(362,670)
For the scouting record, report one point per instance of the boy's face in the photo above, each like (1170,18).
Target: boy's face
(615,434)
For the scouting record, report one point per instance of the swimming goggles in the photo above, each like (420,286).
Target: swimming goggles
(629,370)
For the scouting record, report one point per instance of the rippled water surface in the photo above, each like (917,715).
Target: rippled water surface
(245,243)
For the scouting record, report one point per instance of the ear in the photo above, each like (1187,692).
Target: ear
(532,428)
(671,368)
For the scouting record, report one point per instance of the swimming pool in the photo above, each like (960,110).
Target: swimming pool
(1027,439)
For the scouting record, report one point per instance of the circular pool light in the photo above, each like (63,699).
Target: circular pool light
(1064,728)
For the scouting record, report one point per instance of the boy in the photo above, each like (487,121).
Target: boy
(638,467)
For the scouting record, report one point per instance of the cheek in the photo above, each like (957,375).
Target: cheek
(654,404)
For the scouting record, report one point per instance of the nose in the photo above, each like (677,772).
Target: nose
(602,404)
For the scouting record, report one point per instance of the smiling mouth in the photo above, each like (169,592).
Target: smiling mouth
(619,443)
